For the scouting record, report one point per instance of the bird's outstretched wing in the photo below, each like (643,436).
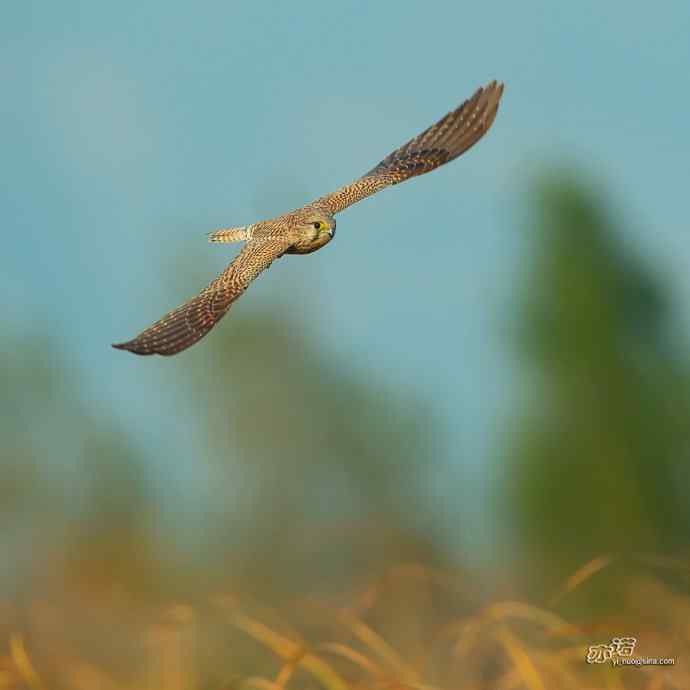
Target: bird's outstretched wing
(184,326)
(447,139)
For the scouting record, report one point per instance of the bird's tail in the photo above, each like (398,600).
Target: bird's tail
(229,234)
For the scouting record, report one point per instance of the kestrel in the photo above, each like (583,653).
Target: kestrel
(311,227)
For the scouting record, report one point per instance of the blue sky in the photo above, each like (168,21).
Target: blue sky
(130,130)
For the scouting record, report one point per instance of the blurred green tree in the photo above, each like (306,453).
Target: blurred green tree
(74,500)
(321,467)
(599,462)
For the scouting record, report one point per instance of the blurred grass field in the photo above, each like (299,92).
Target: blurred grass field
(410,627)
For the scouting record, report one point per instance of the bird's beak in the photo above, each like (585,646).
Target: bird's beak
(331,230)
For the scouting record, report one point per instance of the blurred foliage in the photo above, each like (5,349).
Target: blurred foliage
(331,461)
(311,463)
(600,457)
(72,488)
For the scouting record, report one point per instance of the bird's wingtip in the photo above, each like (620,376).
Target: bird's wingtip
(137,347)
(130,346)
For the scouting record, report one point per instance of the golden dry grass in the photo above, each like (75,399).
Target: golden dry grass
(413,627)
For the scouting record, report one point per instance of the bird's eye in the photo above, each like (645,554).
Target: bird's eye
(317,225)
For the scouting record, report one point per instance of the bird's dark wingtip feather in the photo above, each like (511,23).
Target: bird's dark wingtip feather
(130,346)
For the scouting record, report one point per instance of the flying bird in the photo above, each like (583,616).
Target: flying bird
(311,227)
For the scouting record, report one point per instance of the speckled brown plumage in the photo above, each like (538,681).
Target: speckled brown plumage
(311,227)
(452,135)
(184,326)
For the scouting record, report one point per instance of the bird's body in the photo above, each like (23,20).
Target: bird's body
(307,229)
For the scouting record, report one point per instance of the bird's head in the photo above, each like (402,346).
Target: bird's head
(315,229)
(319,223)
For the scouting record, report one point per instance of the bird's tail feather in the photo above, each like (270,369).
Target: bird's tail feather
(229,234)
